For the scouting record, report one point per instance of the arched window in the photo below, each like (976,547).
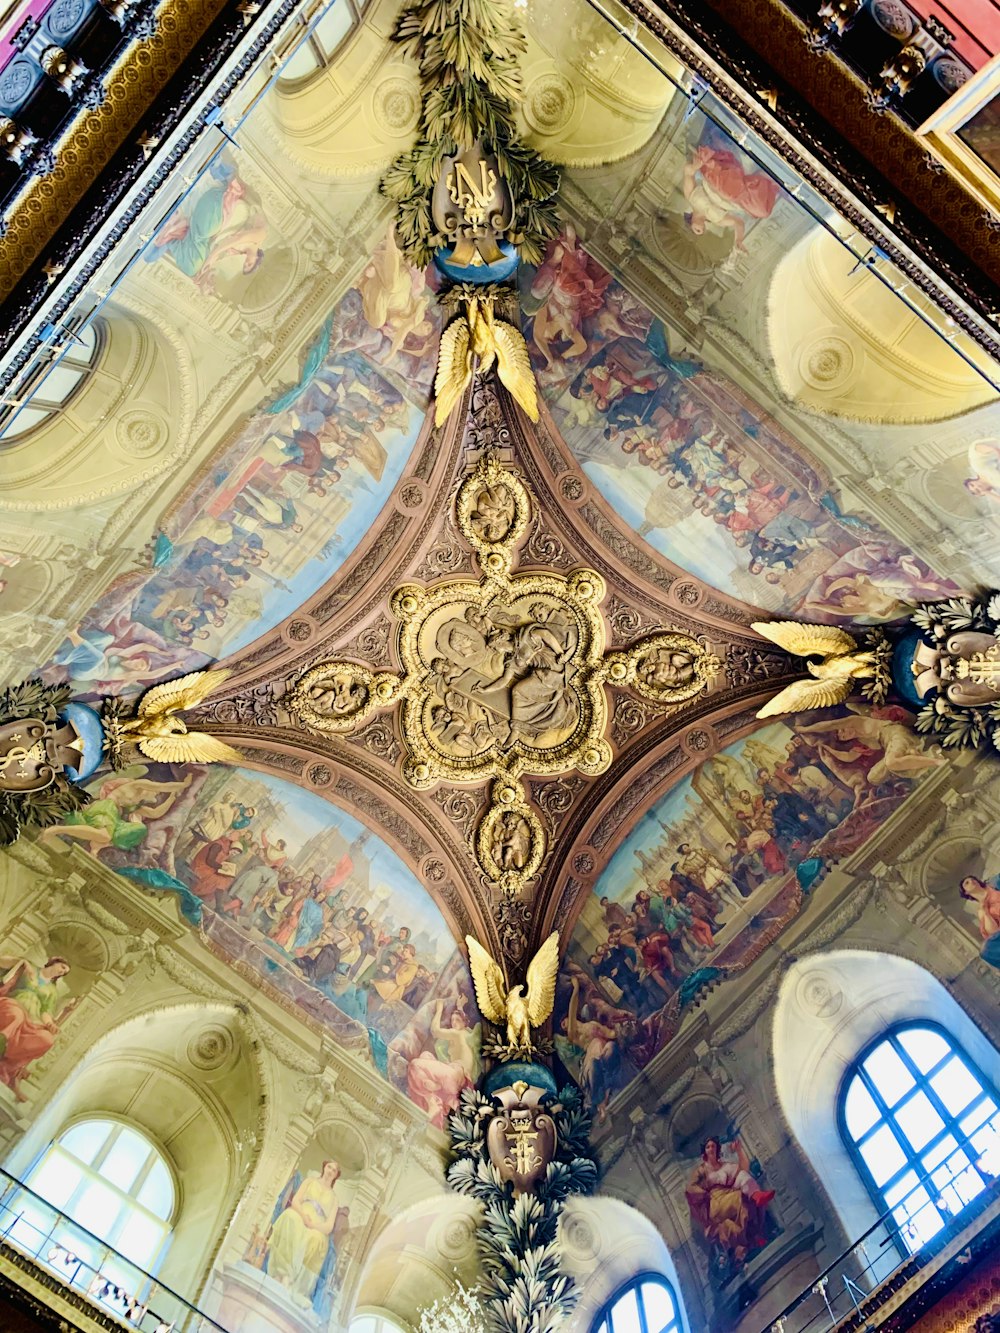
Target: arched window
(112,1180)
(49,386)
(324,40)
(922,1124)
(373,1323)
(646,1305)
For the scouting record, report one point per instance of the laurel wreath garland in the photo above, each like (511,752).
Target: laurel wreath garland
(524,1287)
(957,727)
(876,690)
(36,809)
(468,52)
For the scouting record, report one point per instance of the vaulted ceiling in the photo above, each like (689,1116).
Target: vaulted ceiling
(746,411)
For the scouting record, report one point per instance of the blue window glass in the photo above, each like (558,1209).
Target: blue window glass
(647,1304)
(923,1126)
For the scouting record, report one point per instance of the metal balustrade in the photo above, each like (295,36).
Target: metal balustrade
(898,1245)
(90,1268)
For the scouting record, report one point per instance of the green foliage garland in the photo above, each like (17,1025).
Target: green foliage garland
(526,1291)
(36,809)
(468,52)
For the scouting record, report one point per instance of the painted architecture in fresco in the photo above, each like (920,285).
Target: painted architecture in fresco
(713,872)
(315,903)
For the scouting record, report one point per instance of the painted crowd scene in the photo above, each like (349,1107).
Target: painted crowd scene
(713,871)
(701,470)
(276,511)
(316,904)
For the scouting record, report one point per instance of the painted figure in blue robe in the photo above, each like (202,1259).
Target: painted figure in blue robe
(221,220)
(306,1227)
(310,917)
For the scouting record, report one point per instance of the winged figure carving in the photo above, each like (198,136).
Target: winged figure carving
(521,1007)
(832,677)
(160,734)
(479,337)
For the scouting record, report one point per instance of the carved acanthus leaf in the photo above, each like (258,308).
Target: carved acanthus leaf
(464,807)
(630,715)
(379,739)
(370,644)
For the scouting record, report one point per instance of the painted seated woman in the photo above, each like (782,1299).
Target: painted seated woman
(301,1248)
(727,1205)
(29,998)
(986,895)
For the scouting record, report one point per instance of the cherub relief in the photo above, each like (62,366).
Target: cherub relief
(664,668)
(493,513)
(340,694)
(510,844)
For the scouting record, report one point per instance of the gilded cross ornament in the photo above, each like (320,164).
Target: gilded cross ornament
(503,675)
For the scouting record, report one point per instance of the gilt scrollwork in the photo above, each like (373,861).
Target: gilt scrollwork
(503,676)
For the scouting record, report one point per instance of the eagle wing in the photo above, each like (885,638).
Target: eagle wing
(192,747)
(491,994)
(454,368)
(173,696)
(802,695)
(806,639)
(542,980)
(514,366)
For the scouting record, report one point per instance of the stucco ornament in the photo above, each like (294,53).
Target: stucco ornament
(945,661)
(525,1289)
(522,1138)
(503,675)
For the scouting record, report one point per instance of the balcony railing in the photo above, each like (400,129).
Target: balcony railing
(92,1271)
(937,1209)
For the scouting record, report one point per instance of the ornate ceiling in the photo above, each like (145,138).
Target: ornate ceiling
(495,678)
(738,413)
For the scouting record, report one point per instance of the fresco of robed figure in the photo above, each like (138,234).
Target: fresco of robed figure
(218,228)
(283,504)
(728,1203)
(313,901)
(307,1228)
(982,897)
(695,465)
(32,1006)
(725,853)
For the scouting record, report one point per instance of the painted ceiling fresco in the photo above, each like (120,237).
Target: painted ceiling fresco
(699,468)
(713,872)
(273,514)
(256,481)
(315,903)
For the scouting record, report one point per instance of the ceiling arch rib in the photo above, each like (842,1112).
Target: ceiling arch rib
(351,620)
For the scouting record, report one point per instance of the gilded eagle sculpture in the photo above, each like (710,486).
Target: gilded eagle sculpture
(833,677)
(160,734)
(521,1007)
(473,342)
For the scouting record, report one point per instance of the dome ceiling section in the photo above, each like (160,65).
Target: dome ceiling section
(494,764)
(650,336)
(589,99)
(349,101)
(304,899)
(844,344)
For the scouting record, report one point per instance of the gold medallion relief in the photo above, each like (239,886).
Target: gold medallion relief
(502,676)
